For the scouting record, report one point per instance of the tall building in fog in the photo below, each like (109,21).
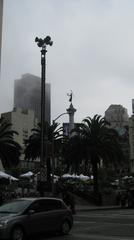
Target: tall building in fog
(131,138)
(1,16)
(117,116)
(27,95)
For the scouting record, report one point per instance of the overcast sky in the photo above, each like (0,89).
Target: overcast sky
(92,52)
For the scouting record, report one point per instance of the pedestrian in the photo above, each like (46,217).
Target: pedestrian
(69,200)
(118,198)
(129,199)
(123,200)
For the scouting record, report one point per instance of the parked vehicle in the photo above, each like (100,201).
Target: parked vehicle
(28,216)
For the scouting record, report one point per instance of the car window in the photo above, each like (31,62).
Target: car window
(36,206)
(50,204)
(46,205)
(15,206)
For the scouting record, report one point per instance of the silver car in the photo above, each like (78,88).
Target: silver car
(28,216)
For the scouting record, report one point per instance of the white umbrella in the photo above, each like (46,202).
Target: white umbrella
(67,175)
(13,178)
(3,175)
(7,176)
(55,176)
(74,175)
(27,175)
(83,177)
(127,177)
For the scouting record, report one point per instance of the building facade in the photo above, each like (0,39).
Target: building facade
(23,121)
(117,116)
(131,142)
(27,95)
(1,17)
(131,138)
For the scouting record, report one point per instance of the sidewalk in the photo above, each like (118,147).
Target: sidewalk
(83,205)
(94,207)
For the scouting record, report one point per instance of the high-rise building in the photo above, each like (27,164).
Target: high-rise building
(1,16)
(27,95)
(117,116)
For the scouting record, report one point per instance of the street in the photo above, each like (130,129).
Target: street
(115,224)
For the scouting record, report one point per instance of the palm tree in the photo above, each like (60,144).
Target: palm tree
(100,144)
(33,144)
(9,149)
(72,152)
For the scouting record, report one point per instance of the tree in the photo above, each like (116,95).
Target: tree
(9,149)
(100,144)
(72,152)
(33,144)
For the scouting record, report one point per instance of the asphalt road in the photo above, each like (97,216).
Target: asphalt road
(100,225)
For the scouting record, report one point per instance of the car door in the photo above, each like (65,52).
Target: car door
(46,219)
(54,213)
(35,217)
(42,219)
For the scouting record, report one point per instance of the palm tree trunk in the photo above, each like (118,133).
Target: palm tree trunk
(95,175)
(97,193)
(48,170)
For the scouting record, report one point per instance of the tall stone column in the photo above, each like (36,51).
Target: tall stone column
(71,110)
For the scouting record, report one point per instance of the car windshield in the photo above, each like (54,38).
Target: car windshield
(15,206)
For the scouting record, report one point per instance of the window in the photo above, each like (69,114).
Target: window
(50,204)
(36,206)
(47,205)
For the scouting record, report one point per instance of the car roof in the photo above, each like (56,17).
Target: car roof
(38,198)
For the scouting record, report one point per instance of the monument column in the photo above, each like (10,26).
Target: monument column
(71,110)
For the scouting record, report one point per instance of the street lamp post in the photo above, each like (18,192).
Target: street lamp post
(53,162)
(42,43)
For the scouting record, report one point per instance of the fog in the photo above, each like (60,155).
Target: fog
(92,52)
